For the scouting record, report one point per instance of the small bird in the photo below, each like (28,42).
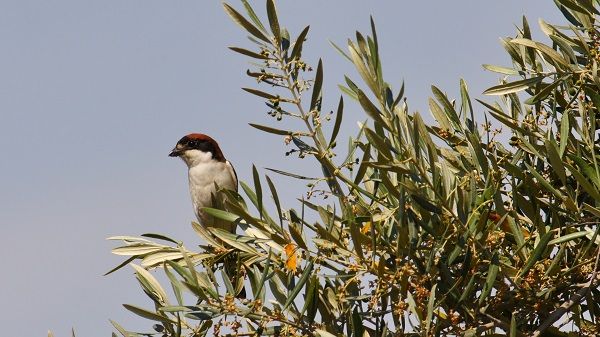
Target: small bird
(207,170)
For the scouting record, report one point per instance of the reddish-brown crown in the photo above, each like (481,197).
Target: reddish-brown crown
(202,142)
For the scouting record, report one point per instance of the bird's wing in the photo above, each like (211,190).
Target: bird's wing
(234,175)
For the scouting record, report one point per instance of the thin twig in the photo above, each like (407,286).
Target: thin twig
(484,327)
(499,323)
(575,299)
(321,148)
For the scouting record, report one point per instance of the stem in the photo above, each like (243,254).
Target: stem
(296,95)
(322,153)
(575,299)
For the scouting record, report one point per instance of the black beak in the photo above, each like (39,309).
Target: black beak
(175,153)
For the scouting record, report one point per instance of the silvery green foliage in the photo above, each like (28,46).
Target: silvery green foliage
(423,229)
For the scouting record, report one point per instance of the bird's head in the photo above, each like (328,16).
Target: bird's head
(197,148)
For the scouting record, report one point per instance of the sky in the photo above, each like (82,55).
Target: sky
(94,94)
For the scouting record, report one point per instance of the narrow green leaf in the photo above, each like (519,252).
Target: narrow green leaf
(374,34)
(269,129)
(399,96)
(430,308)
(178,288)
(426,204)
(448,107)
(338,121)
(148,314)
(545,91)
(491,278)
(260,93)
(285,40)
(258,189)
(513,326)
(565,47)
(192,274)
(586,169)
(501,70)
(297,176)
(175,308)
(297,50)
(475,146)
(358,239)
(466,106)
(151,284)
(181,271)
(316,89)
(545,182)
(264,275)
(361,43)
(296,235)
(537,253)
(362,169)
(309,294)
(508,121)
(439,115)
(569,237)
(155,259)
(555,160)
(466,294)
(357,324)
(253,16)
(250,193)
(126,262)
(379,143)
(242,22)
(526,29)
(233,240)
(273,21)
(348,92)
(579,6)
(370,108)
(511,87)
(302,145)
(550,54)
(136,249)
(362,69)
(340,50)
(249,53)
(275,199)
(323,333)
(129,239)
(221,214)
(119,328)
(513,51)
(583,181)
(303,278)
(159,237)
(227,281)
(353,87)
(204,234)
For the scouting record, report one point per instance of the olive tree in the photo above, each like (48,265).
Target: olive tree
(413,228)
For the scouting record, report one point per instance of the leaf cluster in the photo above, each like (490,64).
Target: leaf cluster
(443,228)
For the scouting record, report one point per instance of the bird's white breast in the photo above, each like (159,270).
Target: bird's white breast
(202,178)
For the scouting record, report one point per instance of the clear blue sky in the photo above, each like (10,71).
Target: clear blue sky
(94,94)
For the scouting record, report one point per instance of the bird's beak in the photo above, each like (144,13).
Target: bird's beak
(175,152)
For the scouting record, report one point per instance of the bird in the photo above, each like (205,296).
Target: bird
(208,170)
